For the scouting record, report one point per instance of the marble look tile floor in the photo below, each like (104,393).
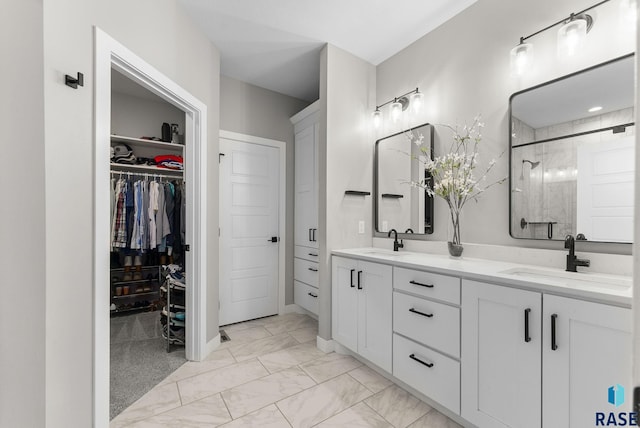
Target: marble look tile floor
(270,374)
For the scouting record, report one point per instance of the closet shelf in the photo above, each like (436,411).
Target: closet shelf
(146,293)
(133,281)
(140,308)
(150,169)
(133,268)
(140,142)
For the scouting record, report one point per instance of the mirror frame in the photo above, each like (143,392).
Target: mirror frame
(558,79)
(430,210)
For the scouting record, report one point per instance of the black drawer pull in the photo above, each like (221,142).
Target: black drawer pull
(554,345)
(313,255)
(420,284)
(352,284)
(359,280)
(414,358)
(420,313)
(312,295)
(313,269)
(527,338)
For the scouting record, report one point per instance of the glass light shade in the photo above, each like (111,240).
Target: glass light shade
(521,58)
(417,101)
(396,110)
(628,14)
(377,118)
(571,36)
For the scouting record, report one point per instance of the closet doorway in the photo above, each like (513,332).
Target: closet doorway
(112,56)
(252,227)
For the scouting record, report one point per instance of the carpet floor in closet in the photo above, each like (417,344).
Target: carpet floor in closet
(139,360)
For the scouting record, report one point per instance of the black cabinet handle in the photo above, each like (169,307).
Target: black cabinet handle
(420,313)
(359,280)
(554,345)
(315,296)
(420,284)
(313,269)
(414,358)
(352,284)
(312,255)
(313,234)
(310,240)
(527,338)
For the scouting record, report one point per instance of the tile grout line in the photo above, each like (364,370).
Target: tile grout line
(283,415)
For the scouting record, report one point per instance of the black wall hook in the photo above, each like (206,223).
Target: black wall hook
(74,82)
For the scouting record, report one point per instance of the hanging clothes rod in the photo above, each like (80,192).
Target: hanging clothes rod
(144,174)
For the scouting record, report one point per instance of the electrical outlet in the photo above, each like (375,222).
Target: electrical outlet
(385,226)
(361,226)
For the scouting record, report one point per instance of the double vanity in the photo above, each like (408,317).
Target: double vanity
(496,344)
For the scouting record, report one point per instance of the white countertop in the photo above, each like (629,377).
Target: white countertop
(604,288)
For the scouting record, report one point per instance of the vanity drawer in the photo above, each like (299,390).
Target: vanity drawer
(305,271)
(434,324)
(306,253)
(440,381)
(305,296)
(431,285)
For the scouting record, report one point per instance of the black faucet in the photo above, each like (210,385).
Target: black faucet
(572,261)
(408,230)
(396,244)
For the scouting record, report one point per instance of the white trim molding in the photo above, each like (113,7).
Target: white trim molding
(326,346)
(110,54)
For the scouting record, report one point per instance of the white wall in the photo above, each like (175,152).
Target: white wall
(347,98)
(133,116)
(160,33)
(256,111)
(22,233)
(462,67)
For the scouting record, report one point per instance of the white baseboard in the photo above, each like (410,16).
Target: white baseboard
(211,346)
(324,345)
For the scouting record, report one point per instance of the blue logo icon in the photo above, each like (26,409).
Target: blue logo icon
(616,395)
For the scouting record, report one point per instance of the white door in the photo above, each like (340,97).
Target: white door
(374,313)
(344,310)
(249,218)
(592,354)
(605,190)
(501,362)
(306,197)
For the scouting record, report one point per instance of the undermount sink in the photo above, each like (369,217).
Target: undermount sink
(571,278)
(382,252)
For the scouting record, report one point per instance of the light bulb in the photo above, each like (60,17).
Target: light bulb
(571,36)
(377,118)
(521,58)
(396,111)
(417,100)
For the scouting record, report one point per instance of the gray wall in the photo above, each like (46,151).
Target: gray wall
(462,67)
(22,218)
(176,48)
(347,98)
(251,110)
(133,116)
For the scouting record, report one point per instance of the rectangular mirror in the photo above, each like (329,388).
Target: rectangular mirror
(398,204)
(572,144)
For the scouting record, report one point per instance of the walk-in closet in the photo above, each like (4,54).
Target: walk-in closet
(147,274)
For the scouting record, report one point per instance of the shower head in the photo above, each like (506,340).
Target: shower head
(534,165)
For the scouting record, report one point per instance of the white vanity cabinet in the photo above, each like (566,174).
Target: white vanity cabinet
(501,364)
(591,353)
(306,128)
(361,308)
(426,338)
(531,359)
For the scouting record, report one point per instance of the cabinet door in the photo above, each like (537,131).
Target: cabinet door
(592,354)
(306,206)
(344,298)
(375,313)
(500,363)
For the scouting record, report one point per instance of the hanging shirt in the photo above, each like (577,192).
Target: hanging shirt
(119,227)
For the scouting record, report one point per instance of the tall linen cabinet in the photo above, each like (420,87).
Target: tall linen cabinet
(305,264)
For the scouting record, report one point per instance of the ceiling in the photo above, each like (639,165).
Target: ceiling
(276,44)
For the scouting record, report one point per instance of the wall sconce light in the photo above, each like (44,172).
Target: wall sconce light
(399,105)
(571,36)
